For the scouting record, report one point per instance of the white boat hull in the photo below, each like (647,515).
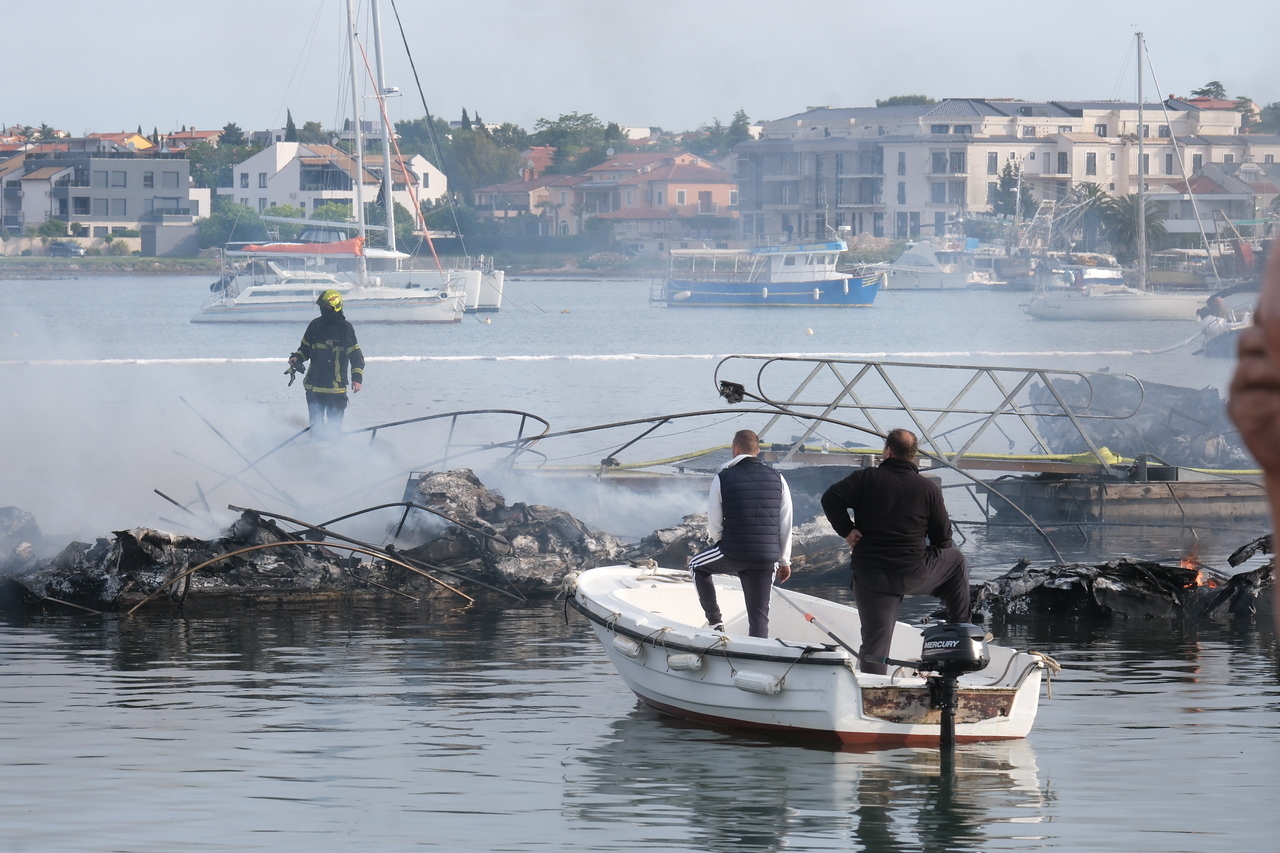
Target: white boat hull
(906,279)
(796,683)
(364,308)
(1070,304)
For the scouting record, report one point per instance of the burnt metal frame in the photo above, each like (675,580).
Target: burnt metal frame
(1017,377)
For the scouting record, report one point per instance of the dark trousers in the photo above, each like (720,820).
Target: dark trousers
(943,575)
(325,411)
(757,582)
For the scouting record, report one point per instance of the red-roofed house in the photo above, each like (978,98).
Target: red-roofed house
(126,139)
(184,139)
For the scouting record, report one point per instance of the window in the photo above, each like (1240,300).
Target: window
(148,179)
(1197,161)
(956,191)
(788,260)
(902,162)
(1146,165)
(1168,164)
(963,128)
(938,192)
(564,196)
(244,180)
(1063,167)
(1100,129)
(733,197)
(80,205)
(1028,131)
(100,181)
(1064,128)
(902,192)
(680,197)
(1268,158)
(658,200)
(262,180)
(957,163)
(169,180)
(1164,131)
(1091,163)
(1113,156)
(630,196)
(1031,156)
(993,187)
(100,206)
(939,162)
(118,179)
(245,202)
(938,128)
(262,205)
(839,165)
(1228,158)
(993,163)
(1146,131)
(118,207)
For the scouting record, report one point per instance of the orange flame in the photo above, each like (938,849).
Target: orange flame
(1191,562)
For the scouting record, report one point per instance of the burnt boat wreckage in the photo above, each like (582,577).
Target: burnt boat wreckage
(1077,452)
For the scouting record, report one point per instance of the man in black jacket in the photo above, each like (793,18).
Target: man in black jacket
(330,345)
(894,509)
(749,518)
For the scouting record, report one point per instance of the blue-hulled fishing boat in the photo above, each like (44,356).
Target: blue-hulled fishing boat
(787,276)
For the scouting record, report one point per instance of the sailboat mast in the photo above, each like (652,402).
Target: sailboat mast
(1142,177)
(388,183)
(358,147)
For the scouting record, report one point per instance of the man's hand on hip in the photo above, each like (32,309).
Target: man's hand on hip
(853,538)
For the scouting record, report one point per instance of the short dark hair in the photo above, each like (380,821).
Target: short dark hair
(746,440)
(903,444)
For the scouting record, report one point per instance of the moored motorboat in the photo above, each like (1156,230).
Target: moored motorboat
(1112,302)
(280,282)
(796,683)
(788,276)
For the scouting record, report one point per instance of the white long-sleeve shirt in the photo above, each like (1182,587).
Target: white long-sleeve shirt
(715,513)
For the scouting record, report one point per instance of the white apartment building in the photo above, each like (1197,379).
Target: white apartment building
(306,175)
(905,171)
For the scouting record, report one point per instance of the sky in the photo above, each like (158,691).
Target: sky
(676,65)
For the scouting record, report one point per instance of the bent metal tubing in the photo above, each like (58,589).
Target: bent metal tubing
(189,572)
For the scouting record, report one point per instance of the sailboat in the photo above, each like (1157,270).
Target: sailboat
(1117,301)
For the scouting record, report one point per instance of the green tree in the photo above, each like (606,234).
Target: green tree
(211,165)
(905,101)
(466,121)
(230,222)
(231,135)
(1248,116)
(420,136)
(311,133)
(739,129)
(285,230)
(47,133)
(51,228)
(1005,198)
(1269,118)
(508,135)
(578,139)
(290,129)
(1120,226)
(332,211)
(473,160)
(1212,89)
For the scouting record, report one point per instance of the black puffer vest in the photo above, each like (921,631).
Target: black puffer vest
(751,495)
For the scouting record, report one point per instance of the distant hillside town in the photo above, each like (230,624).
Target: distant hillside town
(908,168)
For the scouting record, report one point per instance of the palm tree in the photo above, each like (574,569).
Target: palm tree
(1095,201)
(1120,225)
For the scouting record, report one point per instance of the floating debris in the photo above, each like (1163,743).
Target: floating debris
(1125,588)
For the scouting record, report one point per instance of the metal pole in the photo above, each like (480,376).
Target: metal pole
(388,183)
(357,154)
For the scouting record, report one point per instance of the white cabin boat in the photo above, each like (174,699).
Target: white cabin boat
(279,283)
(797,682)
(939,265)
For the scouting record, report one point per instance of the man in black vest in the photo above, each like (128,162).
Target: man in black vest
(894,509)
(749,517)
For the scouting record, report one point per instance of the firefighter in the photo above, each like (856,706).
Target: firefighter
(330,345)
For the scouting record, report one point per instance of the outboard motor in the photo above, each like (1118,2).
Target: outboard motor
(951,649)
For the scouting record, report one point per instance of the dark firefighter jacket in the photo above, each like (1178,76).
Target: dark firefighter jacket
(330,345)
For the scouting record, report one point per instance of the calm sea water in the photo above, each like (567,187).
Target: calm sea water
(386,727)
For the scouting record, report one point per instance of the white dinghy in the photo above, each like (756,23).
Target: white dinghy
(798,682)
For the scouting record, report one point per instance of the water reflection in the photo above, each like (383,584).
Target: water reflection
(736,794)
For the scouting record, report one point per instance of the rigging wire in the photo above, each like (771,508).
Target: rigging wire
(304,57)
(431,131)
